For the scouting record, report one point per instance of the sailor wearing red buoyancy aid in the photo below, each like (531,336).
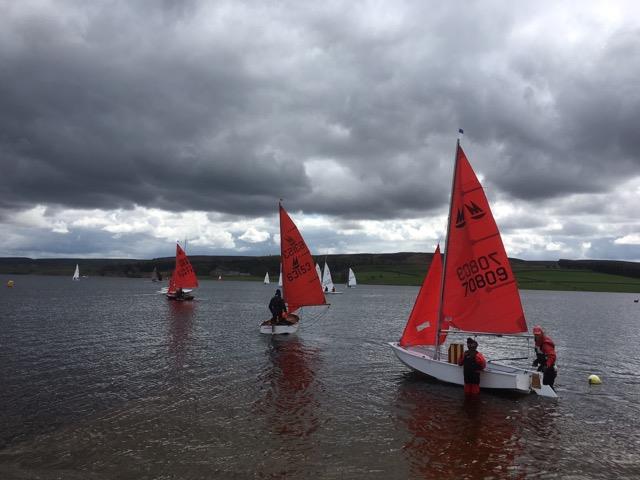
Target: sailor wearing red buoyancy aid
(545,356)
(473,362)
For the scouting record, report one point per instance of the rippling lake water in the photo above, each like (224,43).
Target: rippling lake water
(105,379)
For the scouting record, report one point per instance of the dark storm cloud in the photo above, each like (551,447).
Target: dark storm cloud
(217,106)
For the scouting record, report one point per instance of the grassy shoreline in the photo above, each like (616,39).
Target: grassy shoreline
(528,279)
(371,269)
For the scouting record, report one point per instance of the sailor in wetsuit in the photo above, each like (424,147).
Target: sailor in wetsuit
(473,362)
(277,308)
(545,356)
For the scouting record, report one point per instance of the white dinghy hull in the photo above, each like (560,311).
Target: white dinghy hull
(496,376)
(269,329)
(279,329)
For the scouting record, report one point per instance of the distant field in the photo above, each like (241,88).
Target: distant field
(528,278)
(576,280)
(391,274)
(373,269)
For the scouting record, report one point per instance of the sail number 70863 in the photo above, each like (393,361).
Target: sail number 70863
(481,272)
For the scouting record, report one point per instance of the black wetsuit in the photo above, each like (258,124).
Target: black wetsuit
(276,307)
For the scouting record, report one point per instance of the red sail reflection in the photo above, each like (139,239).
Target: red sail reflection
(450,436)
(180,324)
(290,402)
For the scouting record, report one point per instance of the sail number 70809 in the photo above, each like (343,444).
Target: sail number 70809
(481,272)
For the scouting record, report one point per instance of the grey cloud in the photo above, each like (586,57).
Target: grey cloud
(220,106)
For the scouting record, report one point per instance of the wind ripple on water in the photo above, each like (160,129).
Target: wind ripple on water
(105,379)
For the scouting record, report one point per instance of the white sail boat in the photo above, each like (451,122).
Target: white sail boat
(266,278)
(319,272)
(76,274)
(351,282)
(155,276)
(280,277)
(327,281)
(473,293)
(301,286)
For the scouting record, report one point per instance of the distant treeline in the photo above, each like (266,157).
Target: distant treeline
(205,266)
(408,265)
(612,267)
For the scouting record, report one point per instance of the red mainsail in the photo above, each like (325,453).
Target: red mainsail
(422,324)
(480,291)
(183,275)
(300,283)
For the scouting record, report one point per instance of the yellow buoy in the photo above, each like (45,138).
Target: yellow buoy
(10,284)
(594,380)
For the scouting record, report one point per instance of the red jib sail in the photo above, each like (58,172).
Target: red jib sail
(300,284)
(422,324)
(183,275)
(480,291)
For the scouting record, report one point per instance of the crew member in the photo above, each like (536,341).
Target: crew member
(545,356)
(473,362)
(277,307)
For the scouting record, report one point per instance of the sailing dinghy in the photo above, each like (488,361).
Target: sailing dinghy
(183,280)
(300,284)
(351,282)
(473,292)
(266,278)
(155,276)
(76,274)
(327,281)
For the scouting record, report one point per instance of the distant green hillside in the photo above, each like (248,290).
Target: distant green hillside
(378,269)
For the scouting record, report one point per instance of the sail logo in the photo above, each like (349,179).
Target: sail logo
(474,211)
(298,270)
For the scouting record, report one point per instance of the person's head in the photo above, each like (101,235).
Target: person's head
(471,344)
(278,292)
(537,331)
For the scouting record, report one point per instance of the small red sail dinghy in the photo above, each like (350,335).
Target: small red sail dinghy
(473,293)
(183,280)
(300,283)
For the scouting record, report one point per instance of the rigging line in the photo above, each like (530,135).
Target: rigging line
(502,359)
(318,316)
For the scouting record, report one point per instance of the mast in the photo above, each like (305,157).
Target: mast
(436,353)
(284,295)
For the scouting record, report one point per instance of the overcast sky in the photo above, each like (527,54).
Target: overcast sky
(128,125)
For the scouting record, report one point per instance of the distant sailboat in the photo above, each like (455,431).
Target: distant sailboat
(327,281)
(76,274)
(183,279)
(155,276)
(266,278)
(301,287)
(351,282)
(319,272)
(280,277)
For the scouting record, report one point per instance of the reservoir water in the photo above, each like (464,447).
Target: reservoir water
(104,379)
